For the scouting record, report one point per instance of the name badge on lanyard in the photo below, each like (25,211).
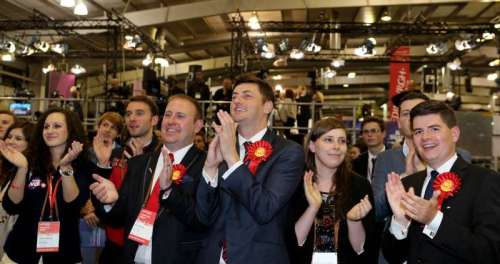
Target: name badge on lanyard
(324,258)
(142,231)
(47,239)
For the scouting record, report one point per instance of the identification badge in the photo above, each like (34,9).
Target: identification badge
(142,231)
(47,239)
(324,258)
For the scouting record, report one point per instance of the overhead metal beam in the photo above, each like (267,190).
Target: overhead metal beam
(217,7)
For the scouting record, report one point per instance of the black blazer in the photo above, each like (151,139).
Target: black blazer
(303,255)
(21,242)
(360,164)
(177,235)
(250,212)
(470,230)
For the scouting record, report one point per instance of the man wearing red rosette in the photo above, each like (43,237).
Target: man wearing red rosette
(448,213)
(249,177)
(156,205)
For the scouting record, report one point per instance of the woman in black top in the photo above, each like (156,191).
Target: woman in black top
(332,214)
(55,165)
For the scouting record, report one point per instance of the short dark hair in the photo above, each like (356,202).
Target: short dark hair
(264,88)
(190,99)
(145,99)
(379,121)
(434,107)
(399,98)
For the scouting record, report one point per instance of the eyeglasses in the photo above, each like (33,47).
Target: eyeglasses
(373,131)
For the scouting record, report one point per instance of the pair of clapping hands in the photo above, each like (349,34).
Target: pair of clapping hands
(313,196)
(406,205)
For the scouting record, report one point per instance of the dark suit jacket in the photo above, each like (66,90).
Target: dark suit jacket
(249,212)
(303,255)
(360,164)
(177,235)
(469,231)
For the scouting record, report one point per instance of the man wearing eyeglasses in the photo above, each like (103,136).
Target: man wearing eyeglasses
(372,133)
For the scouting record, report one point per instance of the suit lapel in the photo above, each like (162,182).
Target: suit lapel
(190,157)
(459,168)
(270,137)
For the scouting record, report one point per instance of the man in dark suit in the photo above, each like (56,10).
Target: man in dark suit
(153,184)
(249,178)
(429,228)
(373,134)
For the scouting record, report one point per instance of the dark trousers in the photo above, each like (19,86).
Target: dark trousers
(112,254)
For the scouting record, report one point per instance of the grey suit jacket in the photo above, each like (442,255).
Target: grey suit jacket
(393,160)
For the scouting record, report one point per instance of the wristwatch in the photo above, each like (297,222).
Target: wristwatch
(68,172)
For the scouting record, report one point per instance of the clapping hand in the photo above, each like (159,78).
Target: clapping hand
(166,172)
(360,210)
(227,134)
(418,208)
(311,190)
(104,190)
(395,190)
(73,152)
(102,149)
(13,156)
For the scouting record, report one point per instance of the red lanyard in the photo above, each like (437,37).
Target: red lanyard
(52,197)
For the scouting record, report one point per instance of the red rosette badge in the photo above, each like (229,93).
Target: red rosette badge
(448,184)
(178,172)
(257,153)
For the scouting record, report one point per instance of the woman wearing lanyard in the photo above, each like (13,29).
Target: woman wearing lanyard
(332,214)
(49,193)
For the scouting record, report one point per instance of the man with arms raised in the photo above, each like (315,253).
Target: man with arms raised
(249,178)
(449,212)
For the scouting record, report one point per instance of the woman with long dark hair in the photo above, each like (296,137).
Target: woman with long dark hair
(333,216)
(16,137)
(48,194)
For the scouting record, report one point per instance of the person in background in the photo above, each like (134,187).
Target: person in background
(198,89)
(199,141)
(448,212)
(224,94)
(56,169)
(354,152)
(288,112)
(332,214)
(7,118)
(304,111)
(17,137)
(373,134)
(140,119)
(103,151)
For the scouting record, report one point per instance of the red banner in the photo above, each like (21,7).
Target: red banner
(400,76)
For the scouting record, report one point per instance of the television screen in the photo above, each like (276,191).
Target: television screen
(20,109)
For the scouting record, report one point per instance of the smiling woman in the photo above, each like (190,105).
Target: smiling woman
(331,215)
(49,192)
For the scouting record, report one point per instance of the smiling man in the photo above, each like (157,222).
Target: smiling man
(249,177)
(150,189)
(448,213)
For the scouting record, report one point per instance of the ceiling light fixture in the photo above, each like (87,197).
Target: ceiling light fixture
(67,3)
(337,63)
(367,49)
(48,69)
(454,65)
(296,54)
(494,63)
(438,48)
(329,73)
(488,36)
(59,48)
(463,44)
(351,75)
(253,22)
(497,25)
(278,87)
(268,51)
(148,60)
(42,45)
(77,69)
(277,77)
(6,56)
(345,85)
(162,62)
(81,9)
(386,17)
(492,76)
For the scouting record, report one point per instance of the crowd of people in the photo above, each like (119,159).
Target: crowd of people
(135,194)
